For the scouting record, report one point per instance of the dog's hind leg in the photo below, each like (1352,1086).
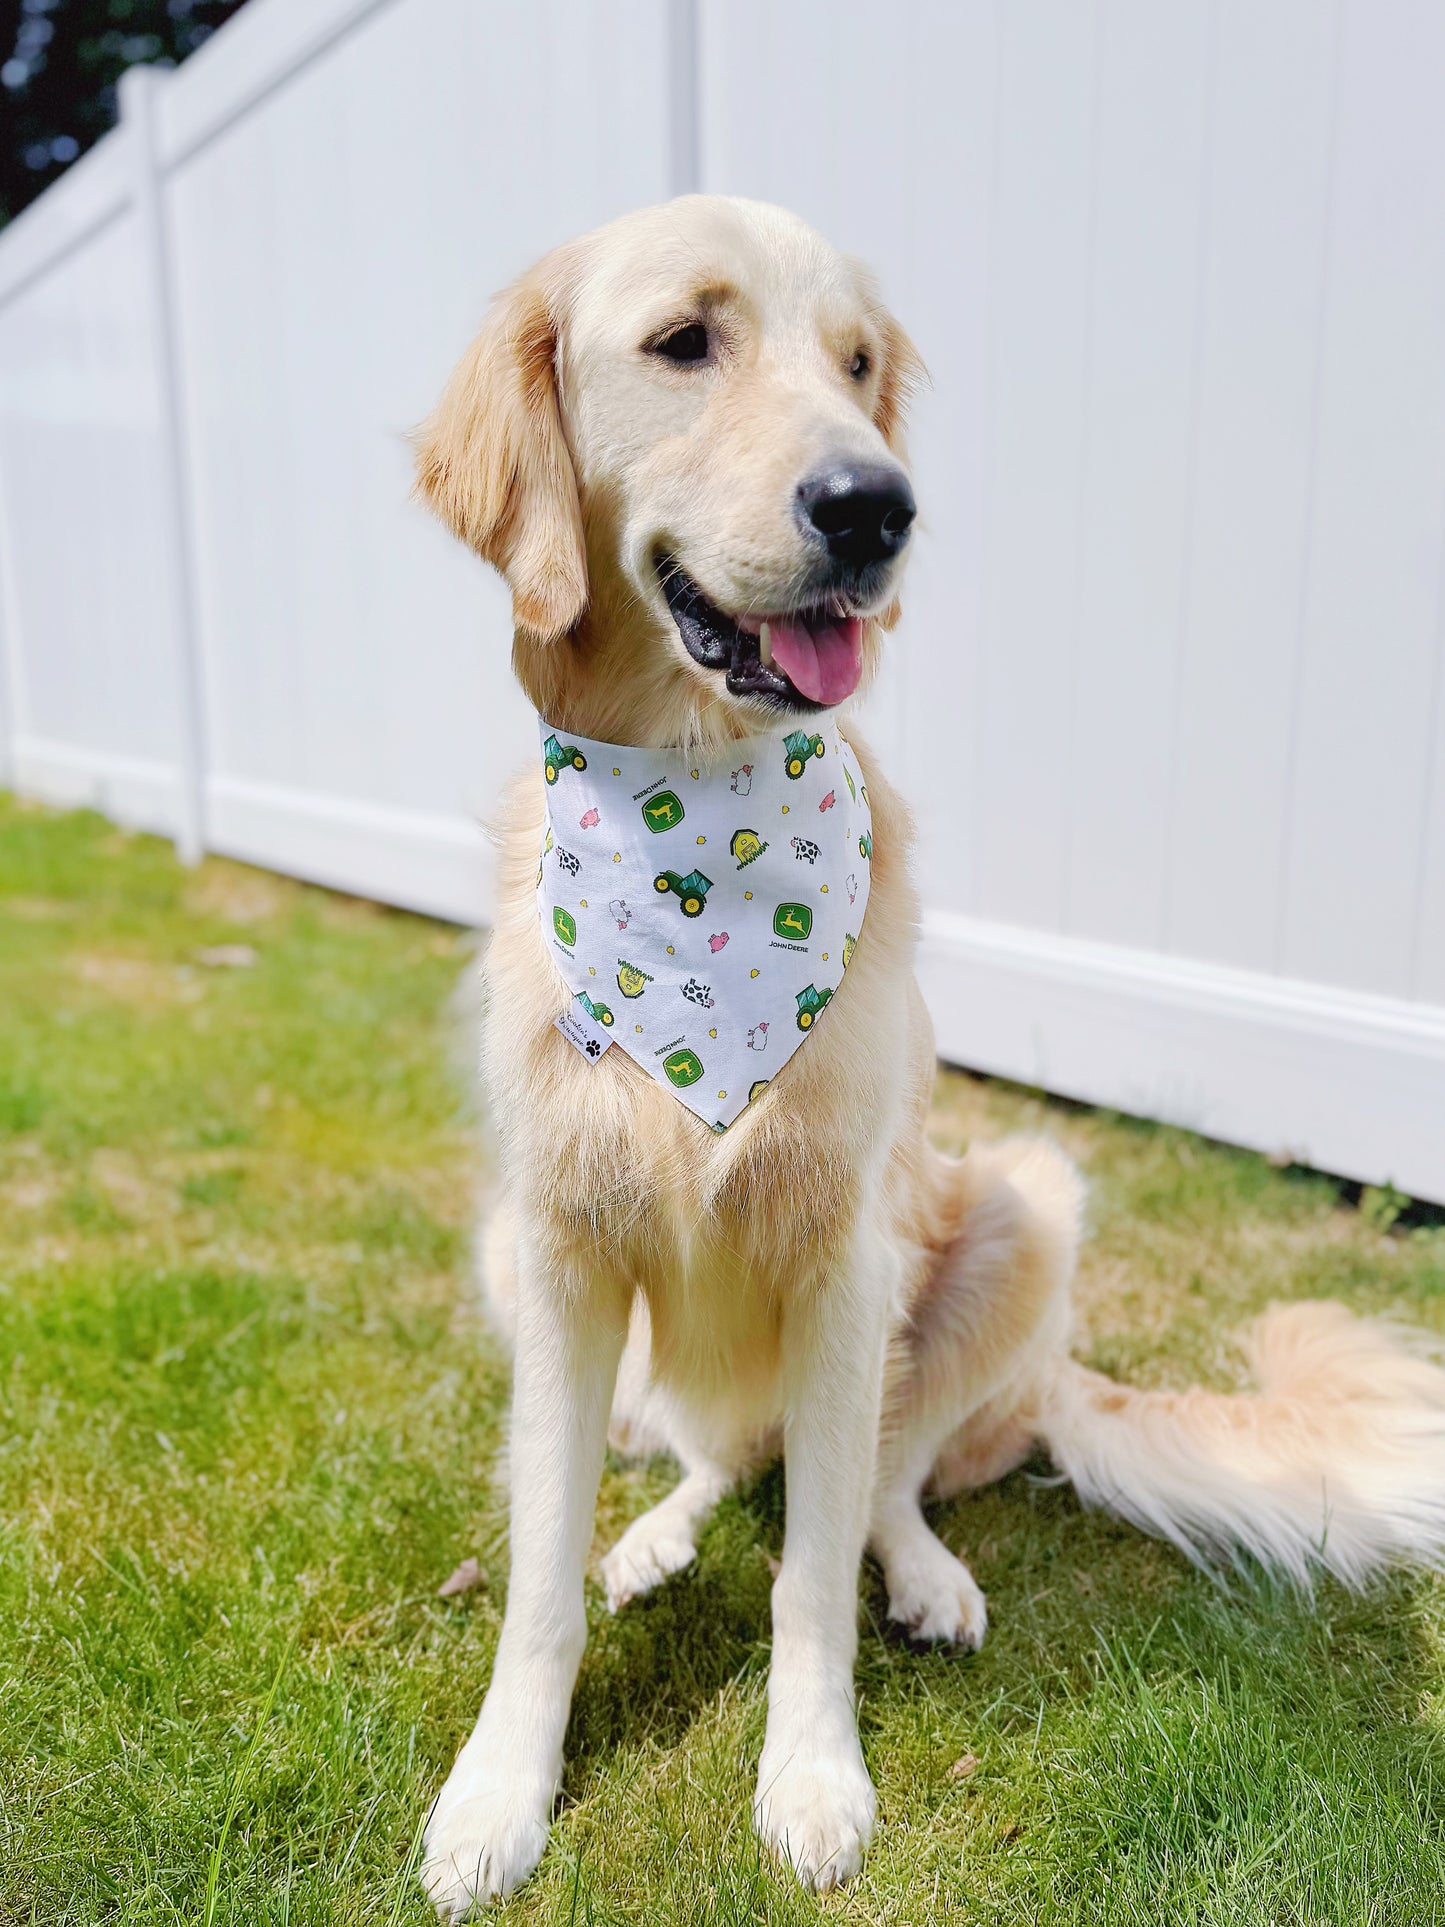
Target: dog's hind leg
(994,1305)
(931,1592)
(647,1418)
(664,1540)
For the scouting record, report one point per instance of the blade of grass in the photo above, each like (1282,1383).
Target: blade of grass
(213,1875)
(408,1869)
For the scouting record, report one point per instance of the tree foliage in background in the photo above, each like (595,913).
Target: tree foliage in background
(59,64)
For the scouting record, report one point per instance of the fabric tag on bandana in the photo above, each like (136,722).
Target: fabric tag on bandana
(703,914)
(582,1032)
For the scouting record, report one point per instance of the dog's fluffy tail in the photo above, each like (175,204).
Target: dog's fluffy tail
(1336,1463)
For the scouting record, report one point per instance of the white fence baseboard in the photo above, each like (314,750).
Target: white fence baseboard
(418,859)
(141,794)
(1334,1078)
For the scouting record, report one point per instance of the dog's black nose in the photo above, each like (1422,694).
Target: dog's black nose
(862,511)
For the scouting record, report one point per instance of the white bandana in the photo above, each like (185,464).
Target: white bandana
(703,914)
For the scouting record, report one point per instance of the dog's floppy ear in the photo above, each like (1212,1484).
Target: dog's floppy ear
(901,373)
(493,461)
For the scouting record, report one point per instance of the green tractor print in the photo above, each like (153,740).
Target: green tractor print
(865,846)
(810,1002)
(599,1013)
(692,889)
(559,756)
(798,746)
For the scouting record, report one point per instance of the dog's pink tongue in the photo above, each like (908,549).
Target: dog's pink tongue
(823,660)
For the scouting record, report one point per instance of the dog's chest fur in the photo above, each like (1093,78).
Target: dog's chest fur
(623,1182)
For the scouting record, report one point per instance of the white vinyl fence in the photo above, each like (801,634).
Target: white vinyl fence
(1169,695)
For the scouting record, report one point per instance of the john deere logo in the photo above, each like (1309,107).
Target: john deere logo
(663,811)
(793,921)
(684,1067)
(565,927)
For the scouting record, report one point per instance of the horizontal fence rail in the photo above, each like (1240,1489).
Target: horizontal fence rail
(1169,695)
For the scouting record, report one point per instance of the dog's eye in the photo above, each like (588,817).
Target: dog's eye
(859,366)
(683,344)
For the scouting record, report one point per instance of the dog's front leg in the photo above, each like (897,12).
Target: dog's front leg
(491,1818)
(815,1802)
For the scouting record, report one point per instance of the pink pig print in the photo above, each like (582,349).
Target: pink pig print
(716,942)
(828,801)
(590,820)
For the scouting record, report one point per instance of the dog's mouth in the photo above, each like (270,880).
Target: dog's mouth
(807,659)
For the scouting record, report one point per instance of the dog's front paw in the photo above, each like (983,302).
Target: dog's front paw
(935,1596)
(482,1841)
(815,1808)
(645,1555)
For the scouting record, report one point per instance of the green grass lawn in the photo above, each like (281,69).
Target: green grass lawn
(248,1427)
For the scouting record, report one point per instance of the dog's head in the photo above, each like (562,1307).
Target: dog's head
(680,440)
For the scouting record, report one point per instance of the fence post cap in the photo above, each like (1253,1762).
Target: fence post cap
(138,83)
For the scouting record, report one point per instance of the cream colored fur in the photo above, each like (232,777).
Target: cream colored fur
(819,1280)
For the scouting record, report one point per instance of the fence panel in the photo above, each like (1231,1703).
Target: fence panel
(88,647)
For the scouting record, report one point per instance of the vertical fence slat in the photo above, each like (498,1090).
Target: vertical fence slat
(139,91)
(684,98)
(9,726)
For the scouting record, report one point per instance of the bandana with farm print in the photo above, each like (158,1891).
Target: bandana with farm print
(703,914)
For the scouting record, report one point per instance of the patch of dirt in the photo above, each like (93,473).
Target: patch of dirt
(140,1190)
(31,1191)
(41,909)
(140,983)
(237,893)
(351,913)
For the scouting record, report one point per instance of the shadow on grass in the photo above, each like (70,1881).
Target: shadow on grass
(1126,1712)
(650,1670)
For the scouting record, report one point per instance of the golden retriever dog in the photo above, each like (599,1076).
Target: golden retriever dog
(680,439)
